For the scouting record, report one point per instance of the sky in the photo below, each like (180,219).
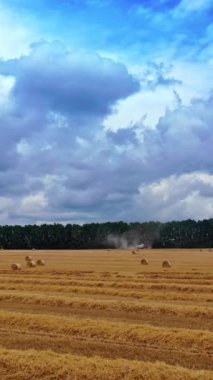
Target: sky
(106,110)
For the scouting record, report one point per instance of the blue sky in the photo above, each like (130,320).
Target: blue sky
(105,110)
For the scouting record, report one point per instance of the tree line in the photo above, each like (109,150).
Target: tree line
(175,234)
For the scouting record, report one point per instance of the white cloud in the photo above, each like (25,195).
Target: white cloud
(197,79)
(23,148)
(6,84)
(33,204)
(148,106)
(177,197)
(193,5)
(16,33)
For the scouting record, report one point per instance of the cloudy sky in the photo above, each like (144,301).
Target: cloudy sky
(106,110)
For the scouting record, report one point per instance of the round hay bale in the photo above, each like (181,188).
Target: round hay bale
(40,262)
(166,264)
(16,266)
(28,258)
(144,262)
(134,252)
(31,264)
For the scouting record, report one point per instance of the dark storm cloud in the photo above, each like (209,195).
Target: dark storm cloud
(57,93)
(158,173)
(123,136)
(182,141)
(58,163)
(51,128)
(72,83)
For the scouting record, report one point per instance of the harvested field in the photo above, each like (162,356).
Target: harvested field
(101,315)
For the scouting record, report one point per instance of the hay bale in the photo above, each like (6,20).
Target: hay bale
(134,252)
(28,258)
(16,266)
(31,264)
(144,262)
(166,264)
(40,262)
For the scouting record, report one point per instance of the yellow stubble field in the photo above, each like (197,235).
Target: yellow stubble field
(101,315)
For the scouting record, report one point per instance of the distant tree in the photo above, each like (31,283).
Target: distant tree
(175,234)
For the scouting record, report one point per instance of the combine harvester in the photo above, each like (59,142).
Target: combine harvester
(141,246)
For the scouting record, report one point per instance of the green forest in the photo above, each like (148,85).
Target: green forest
(175,234)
